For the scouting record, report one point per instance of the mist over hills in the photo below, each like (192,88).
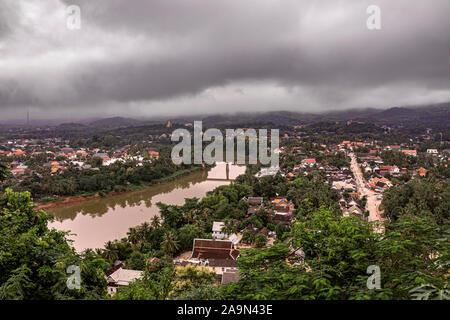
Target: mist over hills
(438,114)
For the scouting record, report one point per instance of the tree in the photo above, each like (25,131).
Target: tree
(260,240)
(248,236)
(187,234)
(92,273)
(156,283)
(170,244)
(96,162)
(172,215)
(265,274)
(163,281)
(426,198)
(136,261)
(281,229)
(336,252)
(192,278)
(134,236)
(110,252)
(34,259)
(117,250)
(3,171)
(414,253)
(156,222)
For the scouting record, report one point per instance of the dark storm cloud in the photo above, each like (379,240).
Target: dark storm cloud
(9,18)
(151,57)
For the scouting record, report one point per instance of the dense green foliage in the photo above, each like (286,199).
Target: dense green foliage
(336,253)
(115,177)
(427,198)
(3,171)
(162,280)
(178,226)
(403,161)
(34,259)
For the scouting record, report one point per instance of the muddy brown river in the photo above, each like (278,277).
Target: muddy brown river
(94,222)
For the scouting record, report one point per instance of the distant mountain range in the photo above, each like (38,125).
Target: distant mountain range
(438,114)
(400,116)
(430,114)
(117,122)
(423,115)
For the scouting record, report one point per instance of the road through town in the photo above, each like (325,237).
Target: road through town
(363,188)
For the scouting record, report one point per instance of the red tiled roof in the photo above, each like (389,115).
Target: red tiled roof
(213,249)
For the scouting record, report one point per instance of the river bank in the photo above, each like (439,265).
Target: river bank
(95,220)
(71,200)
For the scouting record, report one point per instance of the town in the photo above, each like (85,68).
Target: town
(356,177)
(224,158)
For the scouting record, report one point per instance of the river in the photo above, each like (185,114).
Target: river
(94,222)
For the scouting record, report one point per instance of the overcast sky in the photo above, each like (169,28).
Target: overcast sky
(143,58)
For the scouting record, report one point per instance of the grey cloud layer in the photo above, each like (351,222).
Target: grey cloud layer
(151,57)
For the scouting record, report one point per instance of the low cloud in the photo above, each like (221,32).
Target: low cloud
(159,57)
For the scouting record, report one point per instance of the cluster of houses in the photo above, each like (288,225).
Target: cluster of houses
(350,207)
(218,254)
(372,163)
(306,166)
(282,212)
(18,168)
(348,197)
(340,178)
(60,155)
(379,184)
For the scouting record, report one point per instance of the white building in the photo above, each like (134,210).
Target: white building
(267,172)
(121,277)
(217,230)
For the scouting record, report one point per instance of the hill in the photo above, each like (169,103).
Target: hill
(116,122)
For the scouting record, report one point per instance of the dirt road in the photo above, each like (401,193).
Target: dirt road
(363,188)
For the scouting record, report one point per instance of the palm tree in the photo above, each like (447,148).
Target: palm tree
(145,227)
(156,222)
(133,236)
(145,231)
(110,253)
(170,243)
